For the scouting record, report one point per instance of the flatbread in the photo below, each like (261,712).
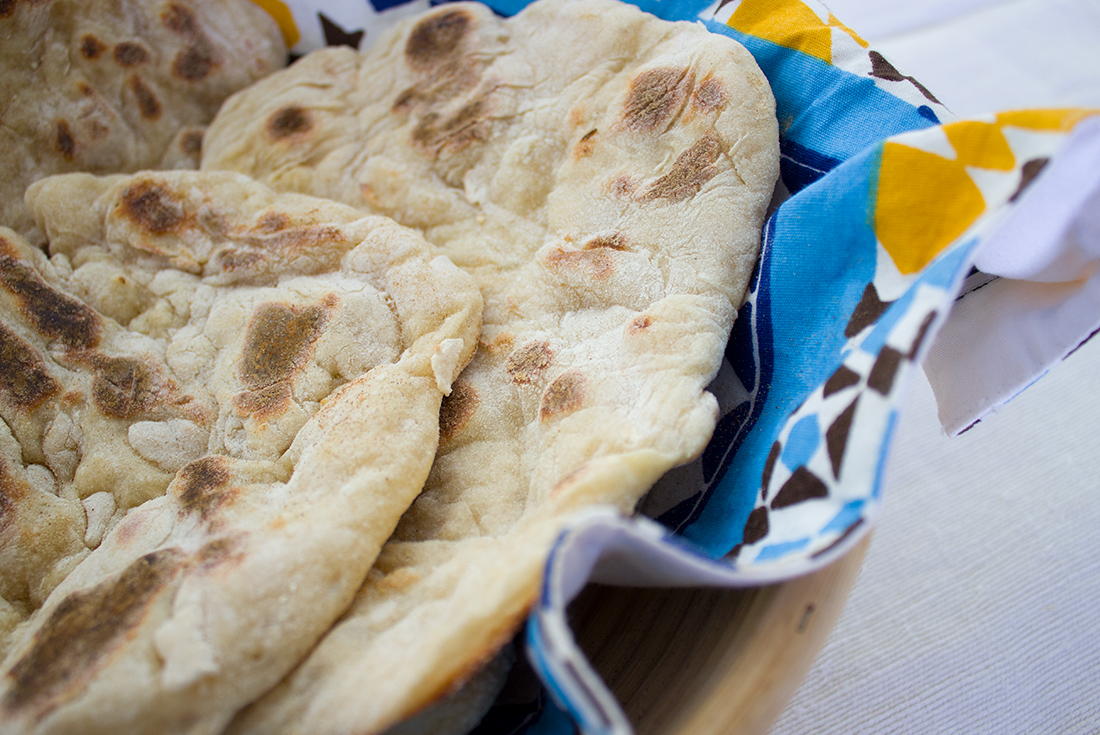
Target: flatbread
(110,86)
(242,419)
(604,176)
(460,711)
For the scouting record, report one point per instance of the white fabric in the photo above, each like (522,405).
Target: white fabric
(990,56)
(902,17)
(1054,233)
(974,612)
(1001,335)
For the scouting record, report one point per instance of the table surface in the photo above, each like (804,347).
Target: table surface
(976,608)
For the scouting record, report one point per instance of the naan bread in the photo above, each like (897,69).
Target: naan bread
(242,418)
(604,176)
(109,86)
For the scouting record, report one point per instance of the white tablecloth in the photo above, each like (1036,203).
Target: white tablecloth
(975,611)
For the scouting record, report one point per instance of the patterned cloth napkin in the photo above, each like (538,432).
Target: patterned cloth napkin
(902,236)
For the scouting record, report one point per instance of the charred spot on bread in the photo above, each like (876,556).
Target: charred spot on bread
(435,133)
(436,90)
(218,551)
(180,19)
(202,485)
(288,122)
(148,104)
(191,143)
(621,186)
(25,383)
(639,323)
(123,387)
(709,95)
(527,363)
(585,145)
(84,629)
(595,262)
(129,53)
(152,207)
(615,240)
(457,409)
(280,338)
(692,168)
(65,143)
(437,38)
(656,96)
(435,49)
(96,130)
(564,395)
(197,61)
(231,259)
(406,99)
(53,314)
(264,402)
(273,222)
(90,47)
(293,238)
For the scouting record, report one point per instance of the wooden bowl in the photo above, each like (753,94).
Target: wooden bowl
(711,661)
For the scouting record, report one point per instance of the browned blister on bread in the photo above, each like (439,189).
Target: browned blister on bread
(217,403)
(108,87)
(604,176)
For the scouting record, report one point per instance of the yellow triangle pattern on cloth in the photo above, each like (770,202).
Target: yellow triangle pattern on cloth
(791,24)
(1052,120)
(834,22)
(926,201)
(980,144)
(282,15)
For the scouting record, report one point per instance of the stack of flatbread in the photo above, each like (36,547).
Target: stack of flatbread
(108,86)
(600,179)
(242,417)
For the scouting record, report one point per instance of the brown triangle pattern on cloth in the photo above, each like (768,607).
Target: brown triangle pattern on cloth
(921,334)
(844,377)
(836,437)
(883,69)
(1028,173)
(337,36)
(867,311)
(769,466)
(756,527)
(803,485)
(885,368)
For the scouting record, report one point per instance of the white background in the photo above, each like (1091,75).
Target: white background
(977,609)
